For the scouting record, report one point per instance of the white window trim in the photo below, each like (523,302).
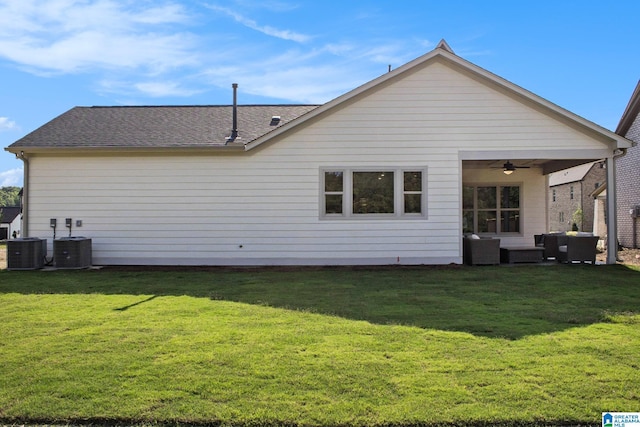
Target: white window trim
(398,193)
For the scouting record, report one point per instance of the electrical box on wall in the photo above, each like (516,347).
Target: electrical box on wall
(635,211)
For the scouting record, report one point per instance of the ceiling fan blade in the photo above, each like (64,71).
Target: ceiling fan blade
(509,166)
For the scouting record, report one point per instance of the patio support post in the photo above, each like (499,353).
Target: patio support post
(612,228)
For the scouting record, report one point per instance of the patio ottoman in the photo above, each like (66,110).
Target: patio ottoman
(513,254)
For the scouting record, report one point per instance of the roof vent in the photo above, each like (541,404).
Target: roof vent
(275,120)
(234,124)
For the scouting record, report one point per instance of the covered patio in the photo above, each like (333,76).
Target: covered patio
(505,195)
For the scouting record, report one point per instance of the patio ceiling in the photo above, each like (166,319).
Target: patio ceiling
(547,165)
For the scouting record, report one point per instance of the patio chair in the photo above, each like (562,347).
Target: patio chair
(551,243)
(578,248)
(481,251)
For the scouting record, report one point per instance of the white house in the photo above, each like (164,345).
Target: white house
(10,222)
(392,172)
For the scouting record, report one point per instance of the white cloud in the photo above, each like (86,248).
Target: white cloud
(297,76)
(151,49)
(265,29)
(150,88)
(6,124)
(67,36)
(314,75)
(272,5)
(11,178)
(159,89)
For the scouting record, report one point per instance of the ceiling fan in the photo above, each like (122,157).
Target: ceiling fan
(508,168)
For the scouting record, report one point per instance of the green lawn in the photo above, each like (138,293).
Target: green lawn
(536,345)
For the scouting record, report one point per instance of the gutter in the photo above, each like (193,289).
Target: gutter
(97,150)
(612,208)
(25,195)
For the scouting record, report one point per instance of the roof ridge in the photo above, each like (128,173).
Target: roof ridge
(200,106)
(444,45)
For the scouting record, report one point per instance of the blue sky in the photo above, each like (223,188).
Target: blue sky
(583,55)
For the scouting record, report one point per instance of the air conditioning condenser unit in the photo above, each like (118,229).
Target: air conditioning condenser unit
(26,253)
(72,252)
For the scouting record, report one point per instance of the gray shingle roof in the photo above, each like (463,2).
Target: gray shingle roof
(8,214)
(157,126)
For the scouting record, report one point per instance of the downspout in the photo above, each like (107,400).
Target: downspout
(612,220)
(25,195)
(634,230)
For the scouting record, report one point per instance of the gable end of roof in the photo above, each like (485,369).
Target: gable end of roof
(630,113)
(445,53)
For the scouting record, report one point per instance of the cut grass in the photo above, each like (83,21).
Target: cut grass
(473,346)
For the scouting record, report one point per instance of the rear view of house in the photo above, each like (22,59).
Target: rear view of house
(392,172)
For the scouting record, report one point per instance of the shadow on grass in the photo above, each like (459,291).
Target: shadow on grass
(135,304)
(484,301)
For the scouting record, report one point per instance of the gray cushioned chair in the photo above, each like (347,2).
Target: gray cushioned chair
(484,251)
(551,242)
(579,248)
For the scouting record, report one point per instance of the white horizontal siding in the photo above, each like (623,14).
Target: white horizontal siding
(453,105)
(201,211)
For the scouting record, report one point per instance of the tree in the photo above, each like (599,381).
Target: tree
(10,196)
(578,217)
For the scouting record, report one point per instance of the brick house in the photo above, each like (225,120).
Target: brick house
(571,191)
(628,175)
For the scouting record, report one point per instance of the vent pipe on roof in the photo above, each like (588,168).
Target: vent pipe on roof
(234,127)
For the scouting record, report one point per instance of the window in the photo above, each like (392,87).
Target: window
(491,209)
(373,192)
(561,217)
(380,193)
(412,192)
(333,192)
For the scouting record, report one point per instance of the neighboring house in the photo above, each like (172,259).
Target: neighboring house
(571,198)
(392,172)
(628,175)
(9,222)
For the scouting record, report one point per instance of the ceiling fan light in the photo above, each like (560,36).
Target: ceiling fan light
(508,171)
